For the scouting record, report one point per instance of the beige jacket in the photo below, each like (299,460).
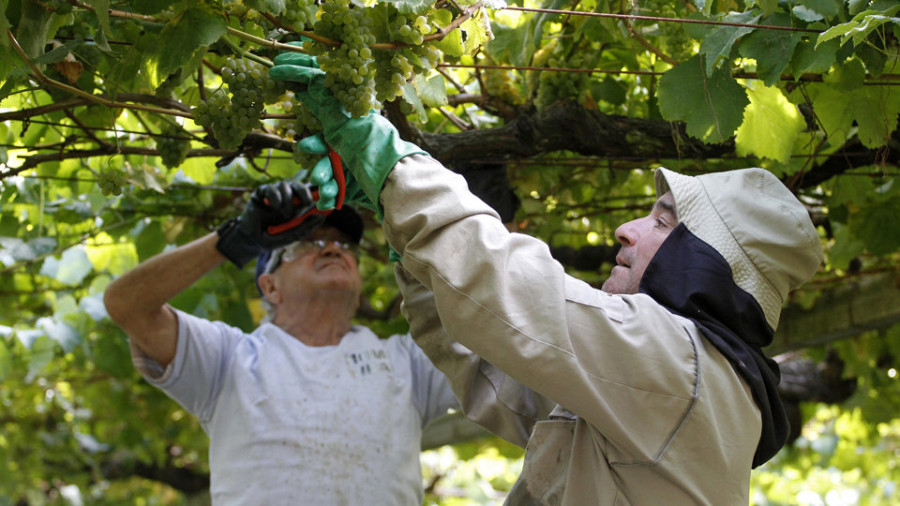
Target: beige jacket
(646,411)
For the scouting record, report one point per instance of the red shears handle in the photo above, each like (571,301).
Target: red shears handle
(337,170)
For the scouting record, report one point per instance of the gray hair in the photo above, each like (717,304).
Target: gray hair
(271,264)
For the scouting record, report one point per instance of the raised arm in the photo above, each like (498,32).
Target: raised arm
(137,301)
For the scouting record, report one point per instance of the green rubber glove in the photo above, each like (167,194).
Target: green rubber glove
(369,146)
(323,177)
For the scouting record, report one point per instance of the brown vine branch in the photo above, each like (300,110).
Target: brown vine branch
(882,80)
(664,20)
(97,99)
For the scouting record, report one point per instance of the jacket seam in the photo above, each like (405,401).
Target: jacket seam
(551,345)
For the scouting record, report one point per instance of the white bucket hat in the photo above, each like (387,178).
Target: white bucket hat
(756,223)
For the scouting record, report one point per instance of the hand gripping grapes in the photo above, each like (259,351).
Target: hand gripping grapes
(368,146)
(277,215)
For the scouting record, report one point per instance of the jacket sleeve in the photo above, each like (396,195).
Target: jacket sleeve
(618,362)
(488,397)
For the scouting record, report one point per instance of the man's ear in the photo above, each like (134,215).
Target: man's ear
(269,288)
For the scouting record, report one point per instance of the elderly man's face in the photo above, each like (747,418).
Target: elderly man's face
(640,240)
(319,263)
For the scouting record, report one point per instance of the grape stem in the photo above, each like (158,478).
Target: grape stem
(40,76)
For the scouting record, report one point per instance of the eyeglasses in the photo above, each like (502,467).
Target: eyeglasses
(304,247)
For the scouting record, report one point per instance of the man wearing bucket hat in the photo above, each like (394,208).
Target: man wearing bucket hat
(662,392)
(308,408)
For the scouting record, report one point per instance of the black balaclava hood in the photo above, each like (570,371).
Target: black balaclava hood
(691,279)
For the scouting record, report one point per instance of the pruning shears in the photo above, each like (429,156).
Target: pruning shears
(337,170)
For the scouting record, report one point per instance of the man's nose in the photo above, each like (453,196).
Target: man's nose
(627,233)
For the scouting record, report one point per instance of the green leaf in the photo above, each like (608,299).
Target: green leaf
(609,90)
(876,109)
(478,32)
(4,26)
(833,111)
(711,107)
(812,57)
(771,125)
(405,6)
(845,247)
(57,54)
(271,6)
(768,6)
(410,96)
(877,226)
(772,49)
(432,90)
(716,46)
(150,6)
(70,269)
(101,9)
(41,351)
(825,8)
(67,337)
(452,44)
(185,35)
(507,44)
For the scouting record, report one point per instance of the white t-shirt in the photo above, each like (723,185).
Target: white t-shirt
(291,424)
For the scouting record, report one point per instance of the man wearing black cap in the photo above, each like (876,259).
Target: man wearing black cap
(309,408)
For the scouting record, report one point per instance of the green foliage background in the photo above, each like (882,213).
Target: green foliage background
(91,91)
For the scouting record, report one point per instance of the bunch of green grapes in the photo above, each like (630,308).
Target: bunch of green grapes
(562,85)
(299,14)
(348,67)
(249,83)
(232,117)
(501,84)
(229,125)
(173,145)
(111,182)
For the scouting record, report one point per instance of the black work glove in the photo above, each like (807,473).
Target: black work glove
(277,215)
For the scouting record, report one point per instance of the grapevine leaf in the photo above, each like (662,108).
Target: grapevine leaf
(452,43)
(40,352)
(855,6)
(718,42)
(848,76)
(833,111)
(272,6)
(150,6)
(4,26)
(6,361)
(149,177)
(93,306)
(825,8)
(771,124)
(70,269)
(873,58)
(768,6)
(185,35)
(507,44)
(409,6)
(845,247)
(867,24)
(431,90)
(58,53)
(875,109)
(873,225)
(711,107)
(410,96)
(772,49)
(101,9)
(478,32)
(811,57)
(67,337)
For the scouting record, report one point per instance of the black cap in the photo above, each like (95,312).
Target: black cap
(345,219)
